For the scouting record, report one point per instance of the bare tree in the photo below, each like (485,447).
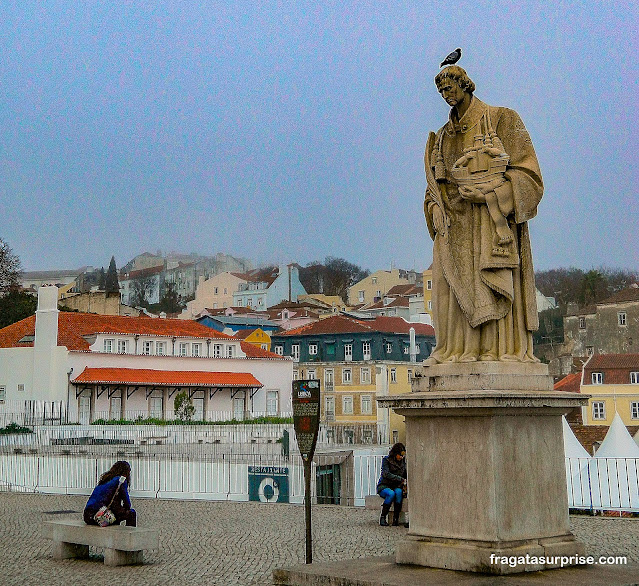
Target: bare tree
(143,287)
(10,268)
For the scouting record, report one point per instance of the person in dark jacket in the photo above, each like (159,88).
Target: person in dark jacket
(109,483)
(392,483)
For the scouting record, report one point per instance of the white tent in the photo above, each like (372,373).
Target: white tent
(577,459)
(610,480)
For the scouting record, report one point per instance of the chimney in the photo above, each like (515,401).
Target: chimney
(46,327)
(413,346)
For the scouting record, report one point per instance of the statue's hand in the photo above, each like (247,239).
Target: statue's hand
(440,222)
(472,194)
(490,185)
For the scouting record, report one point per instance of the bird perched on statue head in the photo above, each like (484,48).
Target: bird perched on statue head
(452,58)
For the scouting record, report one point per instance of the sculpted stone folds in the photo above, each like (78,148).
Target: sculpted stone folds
(484,184)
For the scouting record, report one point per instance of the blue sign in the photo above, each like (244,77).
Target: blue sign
(268,484)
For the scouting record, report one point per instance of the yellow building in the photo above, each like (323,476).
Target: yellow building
(257,337)
(612,381)
(372,289)
(428,291)
(350,390)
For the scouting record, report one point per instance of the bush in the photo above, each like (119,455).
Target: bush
(14,428)
(183,406)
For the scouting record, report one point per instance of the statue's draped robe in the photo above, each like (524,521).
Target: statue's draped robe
(484,306)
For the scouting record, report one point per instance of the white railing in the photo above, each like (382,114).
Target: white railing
(603,483)
(191,478)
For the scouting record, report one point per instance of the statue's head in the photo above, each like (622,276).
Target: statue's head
(456,74)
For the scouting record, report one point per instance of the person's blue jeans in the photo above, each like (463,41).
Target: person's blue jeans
(392,496)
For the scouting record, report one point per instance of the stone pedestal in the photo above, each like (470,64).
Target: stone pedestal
(486,468)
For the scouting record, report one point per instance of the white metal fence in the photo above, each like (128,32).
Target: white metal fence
(603,483)
(226,478)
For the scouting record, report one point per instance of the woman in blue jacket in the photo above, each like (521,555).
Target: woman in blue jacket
(392,483)
(109,483)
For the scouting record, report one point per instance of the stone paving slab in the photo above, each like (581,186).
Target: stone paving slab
(383,571)
(227,543)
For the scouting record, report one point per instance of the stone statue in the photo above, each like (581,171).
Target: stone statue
(484,184)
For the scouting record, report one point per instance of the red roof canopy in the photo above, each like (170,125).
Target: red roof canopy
(183,378)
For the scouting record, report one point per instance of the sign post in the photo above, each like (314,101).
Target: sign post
(306,412)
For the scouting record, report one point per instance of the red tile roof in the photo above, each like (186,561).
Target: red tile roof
(146,376)
(252,351)
(589,434)
(617,368)
(243,334)
(341,324)
(73,327)
(625,295)
(410,289)
(611,361)
(569,384)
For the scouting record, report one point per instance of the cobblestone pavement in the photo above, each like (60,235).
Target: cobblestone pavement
(223,543)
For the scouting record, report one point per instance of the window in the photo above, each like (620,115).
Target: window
(634,410)
(590,350)
(367,405)
(217,350)
(230,351)
(272,402)
(361,296)
(3,394)
(348,352)
(378,293)
(366,349)
(582,323)
(621,318)
(155,407)
(429,284)
(279,350)
(196,349)
(365,376)
(264,346)
(598,410)
(367,436)
(634,378)
(389,347)
(393,374)
(160,348)
(296,375)
(374,280)
(347,405)
(226,291)
(347,376)
(349,436)
(295,352)
(184,349)
(123,346)
(214,290)
(147,347)
(310,374)
(329,408)
(20,388)
(312,349)
(108,345)
(430,305)
(410,375)
(597,378)
(328,380)
(406,349)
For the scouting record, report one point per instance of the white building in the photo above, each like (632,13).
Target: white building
(115,367)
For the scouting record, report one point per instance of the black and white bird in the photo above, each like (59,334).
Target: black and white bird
(452,58)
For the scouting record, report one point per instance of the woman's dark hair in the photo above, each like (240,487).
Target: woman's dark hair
(398,448)
(120,468)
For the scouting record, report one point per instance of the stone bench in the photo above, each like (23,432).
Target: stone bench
(374,502)
(122,545)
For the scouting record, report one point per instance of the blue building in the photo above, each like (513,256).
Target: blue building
(267,287)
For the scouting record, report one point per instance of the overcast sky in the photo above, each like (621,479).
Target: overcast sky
(290,131)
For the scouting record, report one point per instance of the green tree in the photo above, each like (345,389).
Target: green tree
(183,407)
(10,268)
(170,301)
(101,279)
(111,284)
(16,305)
(332,277)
